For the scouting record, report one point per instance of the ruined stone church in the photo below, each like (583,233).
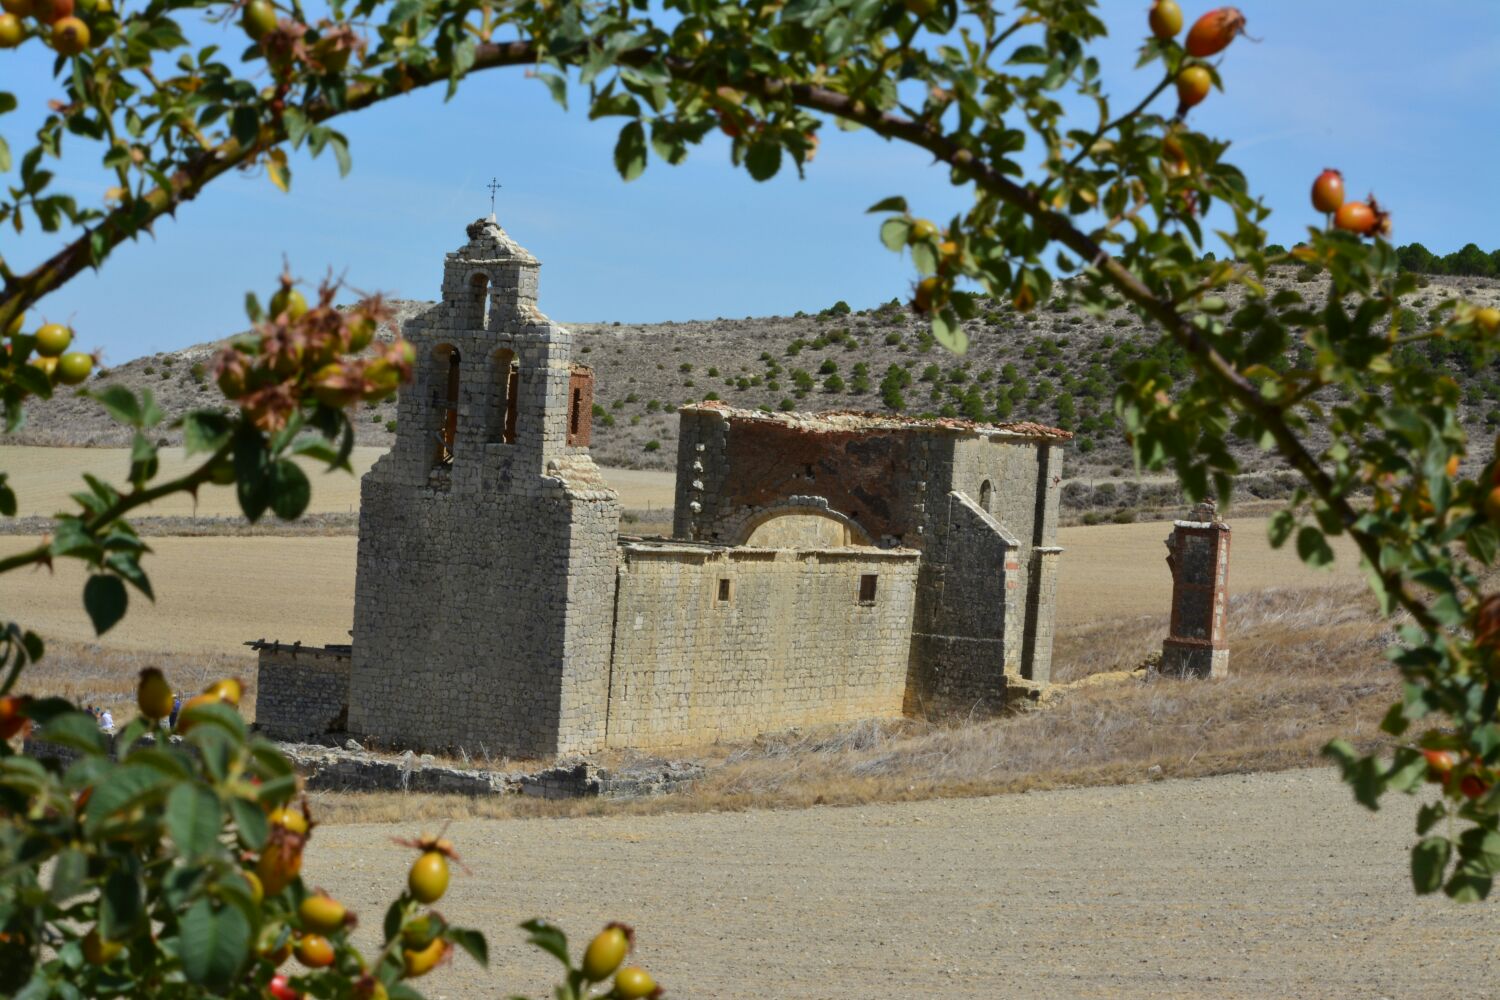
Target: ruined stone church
(822,567)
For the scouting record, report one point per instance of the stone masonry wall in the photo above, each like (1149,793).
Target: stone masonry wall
(302,693)
(484,585)
(894,481)
(785,642)
(970,634)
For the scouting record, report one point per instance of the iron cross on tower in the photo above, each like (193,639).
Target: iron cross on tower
(493,185)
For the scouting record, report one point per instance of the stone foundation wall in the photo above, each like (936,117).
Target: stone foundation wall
(722,643)
(483,621)
(302,692)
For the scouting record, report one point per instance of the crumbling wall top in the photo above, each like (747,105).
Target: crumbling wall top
(489,242)
(844,421)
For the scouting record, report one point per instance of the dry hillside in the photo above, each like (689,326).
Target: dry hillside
(1056,364)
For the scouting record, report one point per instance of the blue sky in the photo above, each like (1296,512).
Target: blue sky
(1393,94)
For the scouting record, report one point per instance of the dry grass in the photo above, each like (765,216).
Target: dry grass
(90,674)
(1306,666)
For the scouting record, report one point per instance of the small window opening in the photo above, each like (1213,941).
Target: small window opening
(448,436)
(986,492)
(724,590)
(509,435)
(500,421)
(807,470)
(479,305)
(867,584)
(577,412)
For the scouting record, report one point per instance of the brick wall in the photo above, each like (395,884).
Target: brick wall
(786,642)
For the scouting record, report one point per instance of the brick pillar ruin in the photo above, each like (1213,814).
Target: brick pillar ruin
(1198,555)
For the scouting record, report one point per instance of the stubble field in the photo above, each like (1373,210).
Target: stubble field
(1270,885)
(215,593)
(1233,886)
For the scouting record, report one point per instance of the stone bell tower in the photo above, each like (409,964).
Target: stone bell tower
(487,538)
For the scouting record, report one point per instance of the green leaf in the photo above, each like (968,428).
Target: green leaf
(127,786)
(105,600)
(470,941)
(203,431)
(213,944)
(129,568)
(393,917)
(251,825)
(895,203)
(252,479)
(193,819)
(630,151)
(557,86)
(341,154)
(1429,862)
(893,233)
(122,902)
(763,160)
(548,938)
(1468,885)
(1280,528)
(949,332)
(924,257)
(69,873)
(1312,548)
(290,490)
(78,730)
(219,714)
(120,403)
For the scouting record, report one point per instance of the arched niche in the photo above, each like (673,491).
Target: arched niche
(798,526)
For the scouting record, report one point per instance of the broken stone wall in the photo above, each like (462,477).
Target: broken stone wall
(969,632)
(895,484)
(714,643)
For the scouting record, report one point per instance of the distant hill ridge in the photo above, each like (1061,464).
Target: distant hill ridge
(1055,365)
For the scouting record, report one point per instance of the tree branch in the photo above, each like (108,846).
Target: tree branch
(128,502)
(125,221)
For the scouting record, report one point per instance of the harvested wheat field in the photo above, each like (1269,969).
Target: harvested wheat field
(1242,886)
(214,593)
(44,477)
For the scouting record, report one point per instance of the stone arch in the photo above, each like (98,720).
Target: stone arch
(987,496)
(802,525)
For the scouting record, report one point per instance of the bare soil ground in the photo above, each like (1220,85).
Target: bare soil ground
(1244,886)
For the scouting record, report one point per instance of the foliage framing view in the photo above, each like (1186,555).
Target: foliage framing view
(1115,201)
